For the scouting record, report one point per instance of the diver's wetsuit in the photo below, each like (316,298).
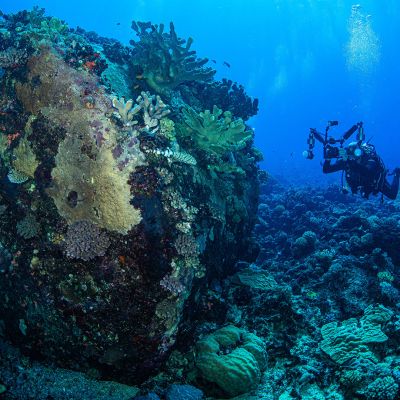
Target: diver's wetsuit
(367,174)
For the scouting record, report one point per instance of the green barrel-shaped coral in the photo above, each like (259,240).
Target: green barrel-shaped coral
(232,359)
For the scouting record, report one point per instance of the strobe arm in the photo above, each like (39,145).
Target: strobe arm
(317,136)
(347,134)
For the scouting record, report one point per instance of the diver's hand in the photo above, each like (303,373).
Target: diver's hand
(396,171)
(343,154)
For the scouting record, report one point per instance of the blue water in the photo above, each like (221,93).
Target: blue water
(291,54)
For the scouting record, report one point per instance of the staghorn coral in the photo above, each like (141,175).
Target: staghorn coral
(92,189)
(85,240)
(352,338)
(165,59)
(154,109)
(215,132)
(25,161)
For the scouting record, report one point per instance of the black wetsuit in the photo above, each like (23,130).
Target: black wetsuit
(367,174)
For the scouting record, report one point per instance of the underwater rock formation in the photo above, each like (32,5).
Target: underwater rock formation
(112,222)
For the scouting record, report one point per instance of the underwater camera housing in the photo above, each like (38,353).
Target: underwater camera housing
(333,148)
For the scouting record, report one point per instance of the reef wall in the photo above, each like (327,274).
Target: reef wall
(128,181)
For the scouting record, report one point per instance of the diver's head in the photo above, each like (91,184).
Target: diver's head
(368,148)
(354,150)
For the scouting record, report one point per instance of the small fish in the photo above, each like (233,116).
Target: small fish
(214,61)
(118,23)
(226,64)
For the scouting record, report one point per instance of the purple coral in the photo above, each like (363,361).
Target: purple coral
(172,284)
(85,240)
(12,57)
(186,246)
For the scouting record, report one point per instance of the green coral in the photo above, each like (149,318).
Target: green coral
(166,60)
(352,338)
(167,128)
(382,389)
(231,358)
(215,132)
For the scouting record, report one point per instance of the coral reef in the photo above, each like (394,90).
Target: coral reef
(113,222)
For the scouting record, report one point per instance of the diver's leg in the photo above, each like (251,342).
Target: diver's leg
(391,190)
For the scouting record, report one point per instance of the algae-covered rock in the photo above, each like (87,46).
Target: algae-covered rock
(232,359)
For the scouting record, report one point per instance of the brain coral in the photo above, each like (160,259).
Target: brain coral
(232,358)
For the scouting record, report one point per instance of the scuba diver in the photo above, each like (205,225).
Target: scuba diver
(359,162)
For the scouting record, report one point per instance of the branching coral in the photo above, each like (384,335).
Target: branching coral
(165,59)
(92,189)
(152,108)
(214,131)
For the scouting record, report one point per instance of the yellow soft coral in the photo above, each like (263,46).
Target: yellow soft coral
(92,188)
(25,161)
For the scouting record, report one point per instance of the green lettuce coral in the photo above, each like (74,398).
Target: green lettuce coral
(216,132)
(231,358)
